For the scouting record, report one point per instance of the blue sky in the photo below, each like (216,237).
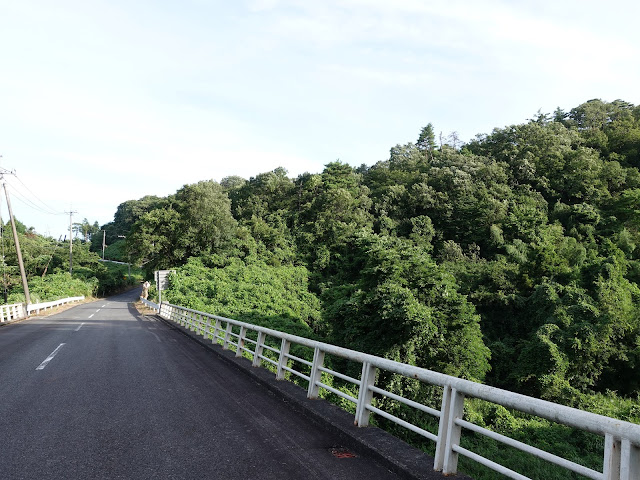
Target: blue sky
(106,101)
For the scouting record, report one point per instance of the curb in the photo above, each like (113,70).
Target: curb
(399,457)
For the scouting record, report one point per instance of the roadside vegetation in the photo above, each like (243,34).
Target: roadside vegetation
(46,264)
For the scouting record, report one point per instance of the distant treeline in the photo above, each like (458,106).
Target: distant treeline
(46,263)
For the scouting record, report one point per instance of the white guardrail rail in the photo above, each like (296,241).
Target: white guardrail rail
(17,311)
(621,459)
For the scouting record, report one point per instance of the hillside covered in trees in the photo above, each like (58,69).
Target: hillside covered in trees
(513,259)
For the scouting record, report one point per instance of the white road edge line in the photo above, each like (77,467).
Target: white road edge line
(79,326)
(91,315)
(50,357)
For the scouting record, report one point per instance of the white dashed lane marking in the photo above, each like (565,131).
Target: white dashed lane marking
(49,358)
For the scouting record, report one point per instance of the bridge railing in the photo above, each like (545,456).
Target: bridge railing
(11,312)
(621,455)
(17,311)
(37,307)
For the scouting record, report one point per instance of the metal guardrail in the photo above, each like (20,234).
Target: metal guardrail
(621,457)
(14,311)
(36,307)
(17,311)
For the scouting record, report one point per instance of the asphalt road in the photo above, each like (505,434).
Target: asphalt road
(100,392)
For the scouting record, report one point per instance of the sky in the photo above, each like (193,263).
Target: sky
(107,101)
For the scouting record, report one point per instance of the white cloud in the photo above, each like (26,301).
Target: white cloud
(134,98)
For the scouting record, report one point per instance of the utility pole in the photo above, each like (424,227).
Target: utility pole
(128,254)
(70,241)
(104,233)
(16,241)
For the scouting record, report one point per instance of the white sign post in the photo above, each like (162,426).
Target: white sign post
(162,281)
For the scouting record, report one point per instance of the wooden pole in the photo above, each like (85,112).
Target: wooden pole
(16,241)
(70,244)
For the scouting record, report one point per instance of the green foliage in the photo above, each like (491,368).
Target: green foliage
(113,278)
(405,307)
(127,214)
(195,221)
(46,264)
(272,296)
(55,287)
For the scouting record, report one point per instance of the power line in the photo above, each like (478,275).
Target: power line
(30,203)
(53,211)
(25,201)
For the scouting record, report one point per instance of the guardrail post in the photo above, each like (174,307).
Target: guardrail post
(206,325)
(227,336)
(441,443)
(203,321)
(259,347)
(629,461)
(216,331)
(282,359)
(456,411)
(243,333)
(611,463)
(316,374)
(365,395)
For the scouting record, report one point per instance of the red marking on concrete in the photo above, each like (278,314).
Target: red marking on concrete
(342,453)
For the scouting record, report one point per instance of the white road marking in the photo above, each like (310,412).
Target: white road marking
(79,326)
(49,358)
(103,306)
(155,335)
(91,315)
(97,310)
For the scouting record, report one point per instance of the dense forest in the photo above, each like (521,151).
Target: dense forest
(512,259)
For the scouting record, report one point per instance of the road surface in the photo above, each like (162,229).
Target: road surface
(101,392)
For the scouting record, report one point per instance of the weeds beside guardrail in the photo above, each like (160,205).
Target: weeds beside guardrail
(621,456)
